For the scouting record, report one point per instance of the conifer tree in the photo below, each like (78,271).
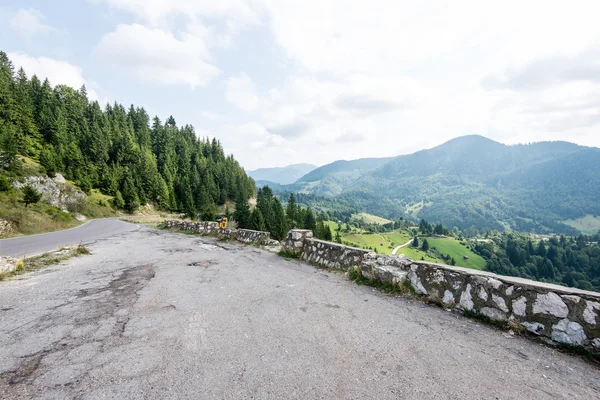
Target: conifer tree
(242,211)
(309,220)
(280,226)
(30,195)
(291,211)
(257,222)
(415,242)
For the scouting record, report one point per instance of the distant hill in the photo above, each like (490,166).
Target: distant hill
(330,179)
(471,182)
(282,175)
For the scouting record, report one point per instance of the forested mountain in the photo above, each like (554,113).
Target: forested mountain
(282,175)
(115,149)
(330,179)
(472,183)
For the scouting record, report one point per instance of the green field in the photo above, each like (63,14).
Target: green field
(371,219)
(588,224)
(386,242)
(458,251)
(417,254)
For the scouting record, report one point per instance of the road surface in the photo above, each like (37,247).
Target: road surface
(401,246)
(43,243)
(160,315)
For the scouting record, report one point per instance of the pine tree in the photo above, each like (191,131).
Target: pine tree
(242,211)
(425,245)
(118,201)
(415,242)
(257,221)
(30,195)
(541,251)
(130,197)
(309,220)
(338,237)
(291,211)
(280,227)
(327,235)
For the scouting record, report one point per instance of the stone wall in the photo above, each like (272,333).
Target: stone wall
(212,228)
(561,314)
(332,255)
(294,241)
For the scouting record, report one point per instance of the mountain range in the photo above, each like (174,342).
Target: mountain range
(470,182)
(281,175)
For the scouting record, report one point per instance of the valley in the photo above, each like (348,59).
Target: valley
(471,182)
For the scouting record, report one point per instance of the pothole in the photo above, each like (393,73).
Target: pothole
(203,263)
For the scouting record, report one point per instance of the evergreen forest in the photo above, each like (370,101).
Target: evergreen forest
(121,151)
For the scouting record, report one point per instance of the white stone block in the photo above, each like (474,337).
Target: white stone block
(519,306)
(500,303)
(591,312)
(568,332)
(550,304)
(466,300)
(448,298)
(493,313)
(482,294)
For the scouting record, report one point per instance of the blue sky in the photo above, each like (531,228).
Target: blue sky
(281,82)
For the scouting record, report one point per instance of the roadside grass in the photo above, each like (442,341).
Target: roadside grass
(36,218)
(41,217)
(98,205)
(37,263)
(355,275)
(288,254)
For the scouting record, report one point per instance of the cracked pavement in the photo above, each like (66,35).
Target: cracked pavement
(159,315)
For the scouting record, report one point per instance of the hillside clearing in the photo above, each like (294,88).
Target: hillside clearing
(589,224)
(371,219)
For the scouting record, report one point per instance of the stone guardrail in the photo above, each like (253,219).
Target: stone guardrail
(564,315)
(212,228)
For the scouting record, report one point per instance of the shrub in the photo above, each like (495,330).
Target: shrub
(5,185)
(30,195)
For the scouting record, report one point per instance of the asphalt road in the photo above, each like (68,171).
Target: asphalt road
(43,243)
(159,315)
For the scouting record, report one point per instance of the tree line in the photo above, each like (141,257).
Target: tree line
(117,150)
(570,261)
(269,215)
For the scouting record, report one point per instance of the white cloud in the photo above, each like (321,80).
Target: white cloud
(159,12)
(28,23)
(241,93)
(213,116)
(158,56)
(383,78)
(58,72)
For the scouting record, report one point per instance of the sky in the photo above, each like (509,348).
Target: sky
(280,82)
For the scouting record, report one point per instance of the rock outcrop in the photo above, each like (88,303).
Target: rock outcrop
(8,264)
(55,191)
